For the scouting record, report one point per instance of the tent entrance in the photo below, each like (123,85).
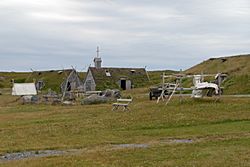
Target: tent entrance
(68,86)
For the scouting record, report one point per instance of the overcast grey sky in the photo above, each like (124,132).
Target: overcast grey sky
(159,34)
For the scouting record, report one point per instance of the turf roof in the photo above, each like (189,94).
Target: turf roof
(52,78)
(138,76)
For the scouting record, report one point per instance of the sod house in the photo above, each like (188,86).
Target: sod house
(56,80)
(101,78)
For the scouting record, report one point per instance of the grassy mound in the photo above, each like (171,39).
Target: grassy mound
(237,68)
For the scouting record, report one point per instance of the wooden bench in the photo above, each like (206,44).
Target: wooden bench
(124,103)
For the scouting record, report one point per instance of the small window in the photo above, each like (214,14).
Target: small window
(108,73)
(132,71)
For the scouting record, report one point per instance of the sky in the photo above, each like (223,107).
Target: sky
(158,34)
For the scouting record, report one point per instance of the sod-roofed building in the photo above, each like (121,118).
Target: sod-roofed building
(56,80)
(101,78)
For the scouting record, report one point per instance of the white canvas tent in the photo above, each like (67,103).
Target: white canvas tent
(24,89)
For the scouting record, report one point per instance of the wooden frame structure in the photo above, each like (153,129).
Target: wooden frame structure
(201,86)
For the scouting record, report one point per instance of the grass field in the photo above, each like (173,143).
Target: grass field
(219,132)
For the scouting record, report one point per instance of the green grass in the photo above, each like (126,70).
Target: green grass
(220,131)
(6,77)
(237,83)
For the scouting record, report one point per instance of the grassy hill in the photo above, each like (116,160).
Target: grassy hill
(237,68)
(234,65)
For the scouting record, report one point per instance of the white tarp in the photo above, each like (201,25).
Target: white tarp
(206,85)
(197,92)
(23,89)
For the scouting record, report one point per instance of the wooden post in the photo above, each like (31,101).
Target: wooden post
(180,86)
(219,84)
(163,89)
(147,74)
